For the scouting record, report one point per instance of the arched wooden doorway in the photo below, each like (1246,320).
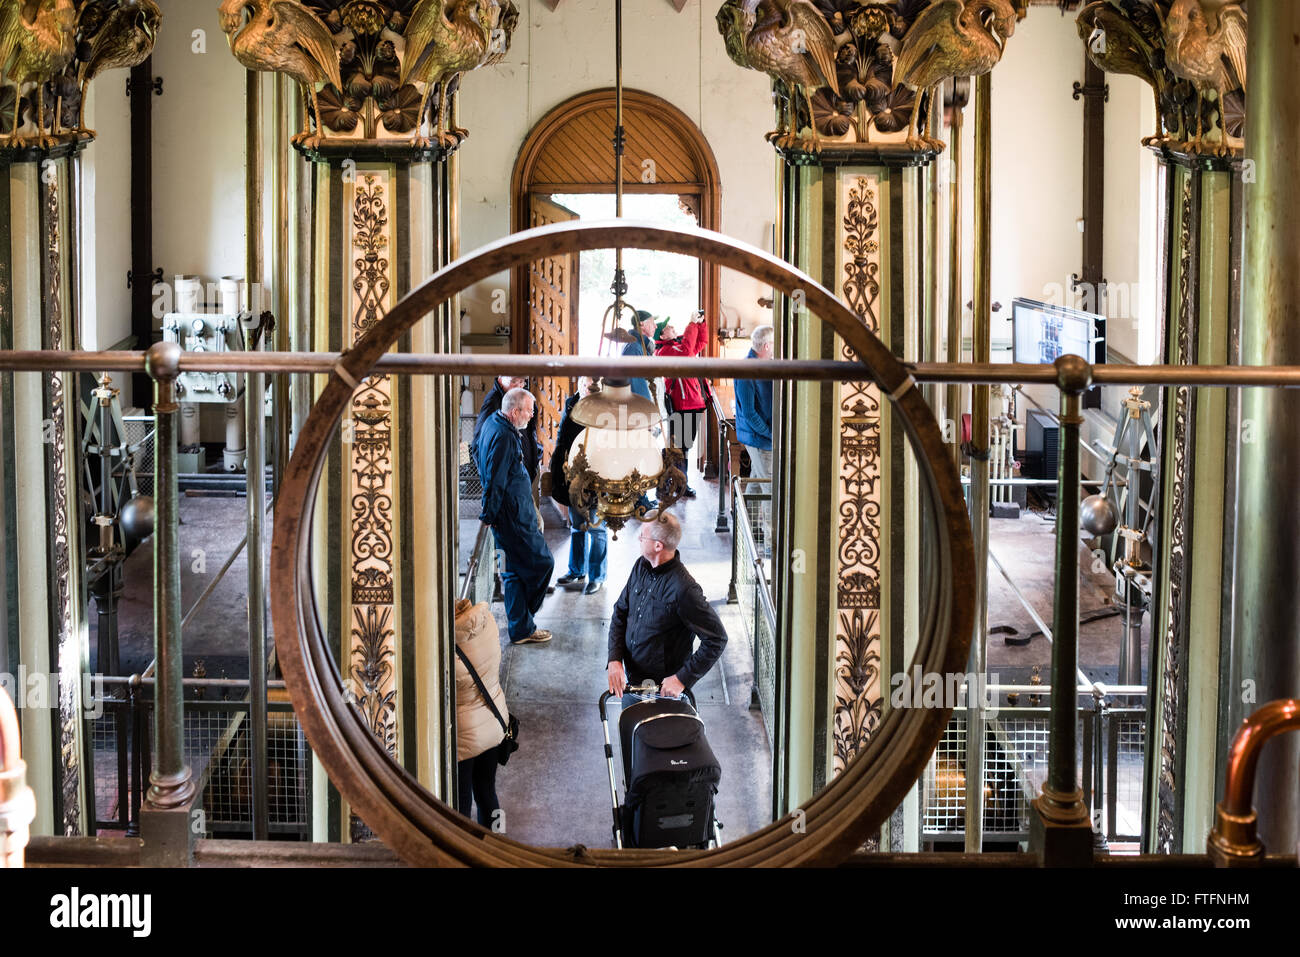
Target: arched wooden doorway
(570,150)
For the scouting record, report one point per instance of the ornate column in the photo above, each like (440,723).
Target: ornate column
(1203,180)
(855,84)
(377,215)
(42,135)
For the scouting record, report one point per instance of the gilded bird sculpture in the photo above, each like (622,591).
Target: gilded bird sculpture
(790,41)
(282,36)
(1116,45)
(1213,59)
(445,38)
(499,19)
(950,38)
(125,40)
(37,42)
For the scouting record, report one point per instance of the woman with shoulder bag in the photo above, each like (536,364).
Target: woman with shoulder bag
(481,715)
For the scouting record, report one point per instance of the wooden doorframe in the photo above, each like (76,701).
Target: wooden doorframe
(707,191)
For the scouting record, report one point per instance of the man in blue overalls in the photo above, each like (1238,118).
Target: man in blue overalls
(516,524)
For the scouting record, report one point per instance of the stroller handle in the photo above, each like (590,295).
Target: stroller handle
(686,695)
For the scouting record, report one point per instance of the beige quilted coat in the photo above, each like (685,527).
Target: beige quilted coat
(477,728)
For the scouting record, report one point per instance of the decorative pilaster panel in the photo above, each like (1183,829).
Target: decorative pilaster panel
(1194,548)
(67,604)
(371,456)
(45,605)
(1180,347)
(859,704)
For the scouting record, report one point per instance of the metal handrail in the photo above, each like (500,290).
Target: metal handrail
(724,460)
(764,589)
(472,567)
(323,363)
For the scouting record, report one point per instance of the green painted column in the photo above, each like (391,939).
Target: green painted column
(1266,616)
(848,559)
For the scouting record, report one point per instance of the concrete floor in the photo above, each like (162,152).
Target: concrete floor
(212,527)
(1025,547)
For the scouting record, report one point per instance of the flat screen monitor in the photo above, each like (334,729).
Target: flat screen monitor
(1042,332)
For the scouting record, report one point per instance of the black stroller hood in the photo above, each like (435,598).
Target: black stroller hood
(669,747)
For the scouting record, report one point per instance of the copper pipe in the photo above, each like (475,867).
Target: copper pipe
(17,802)
(1234,839)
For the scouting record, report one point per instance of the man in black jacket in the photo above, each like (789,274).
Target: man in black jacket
(661,610)
(527,435)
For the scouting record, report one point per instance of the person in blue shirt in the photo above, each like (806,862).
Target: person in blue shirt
(516,524)
(642,344)
(754,407)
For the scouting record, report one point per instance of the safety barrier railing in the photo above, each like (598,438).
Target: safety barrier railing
(1016,720)
(217,750)
(726,434)
(477,581)
(469,484)
(750,587)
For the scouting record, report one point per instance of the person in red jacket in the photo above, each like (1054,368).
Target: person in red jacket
(685,397)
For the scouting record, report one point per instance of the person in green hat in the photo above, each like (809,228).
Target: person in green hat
(642,344)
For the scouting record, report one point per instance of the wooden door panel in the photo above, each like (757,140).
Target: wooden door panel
(552,320)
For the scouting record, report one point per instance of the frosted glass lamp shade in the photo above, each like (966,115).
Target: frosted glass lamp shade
(614,454)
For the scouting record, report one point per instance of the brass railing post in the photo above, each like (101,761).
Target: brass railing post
(981,321)
(165,815)
(1060,829)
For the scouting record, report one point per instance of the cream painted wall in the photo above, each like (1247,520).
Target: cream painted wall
(198,153)
(678,56)
(106,216)
(1130,257)
(1037,162)
(1037,129)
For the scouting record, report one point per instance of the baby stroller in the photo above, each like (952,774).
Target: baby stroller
(670,772)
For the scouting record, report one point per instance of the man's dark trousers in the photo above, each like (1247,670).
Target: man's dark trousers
(527,572)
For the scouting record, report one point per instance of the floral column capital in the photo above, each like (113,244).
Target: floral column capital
(372,67)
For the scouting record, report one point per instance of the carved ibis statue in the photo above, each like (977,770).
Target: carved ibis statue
(125,40)
(445,38)
(950,38)
(35,49)
(282,36)
(790,41)
(1213,59)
